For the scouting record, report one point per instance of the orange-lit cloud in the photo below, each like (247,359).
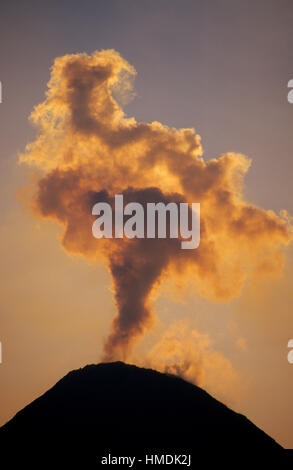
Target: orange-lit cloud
(87,150)
(184,351)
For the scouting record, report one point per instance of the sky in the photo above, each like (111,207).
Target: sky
(221,67)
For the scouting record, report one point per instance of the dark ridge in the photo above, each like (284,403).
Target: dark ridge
(127,410)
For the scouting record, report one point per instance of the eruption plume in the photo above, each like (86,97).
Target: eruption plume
(87,151)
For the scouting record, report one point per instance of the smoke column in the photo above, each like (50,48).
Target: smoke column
(87,150)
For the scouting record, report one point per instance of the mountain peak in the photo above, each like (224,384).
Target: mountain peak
(121,406)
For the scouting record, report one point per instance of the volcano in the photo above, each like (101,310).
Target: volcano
(116,409)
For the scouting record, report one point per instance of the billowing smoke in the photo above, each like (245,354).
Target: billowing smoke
(87,151)
(183,351)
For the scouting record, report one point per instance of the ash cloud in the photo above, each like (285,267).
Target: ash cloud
(86,148)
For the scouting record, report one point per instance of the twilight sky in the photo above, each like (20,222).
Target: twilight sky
(221,67)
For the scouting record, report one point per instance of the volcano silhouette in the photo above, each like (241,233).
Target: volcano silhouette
(115,407)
